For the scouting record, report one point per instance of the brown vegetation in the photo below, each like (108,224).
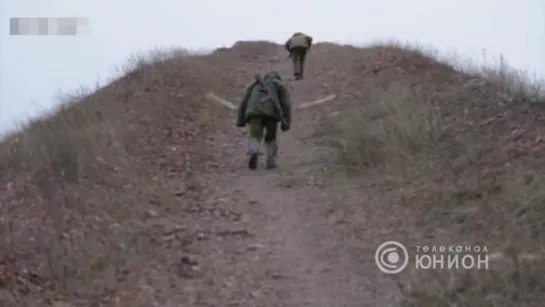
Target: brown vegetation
(81,186)
(467,151)
(107,201)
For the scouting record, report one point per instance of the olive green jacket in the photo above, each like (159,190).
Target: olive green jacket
(251,105)
(298,40)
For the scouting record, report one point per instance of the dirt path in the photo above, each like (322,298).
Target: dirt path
(299,250)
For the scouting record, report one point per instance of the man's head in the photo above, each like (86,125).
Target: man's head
(272,75)
(297,34)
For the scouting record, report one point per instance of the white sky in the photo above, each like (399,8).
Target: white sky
(33,69)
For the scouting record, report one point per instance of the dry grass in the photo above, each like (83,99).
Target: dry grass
(389,130)
(464,175)
(79,196)
(82,130)
(46,247)
(395,124)
(503,212)
(82,208)
(70,140)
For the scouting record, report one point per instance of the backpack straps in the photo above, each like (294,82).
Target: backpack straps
(272,95)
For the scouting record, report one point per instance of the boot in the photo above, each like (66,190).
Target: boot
(253,151)
(272,152)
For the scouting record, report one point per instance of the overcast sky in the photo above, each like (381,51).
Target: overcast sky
(33,69)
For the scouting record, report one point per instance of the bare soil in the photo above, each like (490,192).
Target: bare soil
(181,221)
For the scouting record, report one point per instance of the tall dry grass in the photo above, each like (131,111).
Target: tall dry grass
(389,130)
(70,140)
(393,126)
(74,197)
(85,128)
(402,127)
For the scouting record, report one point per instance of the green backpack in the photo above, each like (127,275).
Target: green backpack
(268,101)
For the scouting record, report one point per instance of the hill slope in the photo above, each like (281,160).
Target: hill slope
(139,195)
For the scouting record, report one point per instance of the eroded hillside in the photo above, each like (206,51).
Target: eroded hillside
(139,196)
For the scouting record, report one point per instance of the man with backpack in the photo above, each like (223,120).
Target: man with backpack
(298,46)
(265,104)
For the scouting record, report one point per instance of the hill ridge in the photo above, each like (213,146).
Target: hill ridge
(138,194)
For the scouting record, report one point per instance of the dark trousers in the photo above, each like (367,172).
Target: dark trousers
(298,55)
(263,126)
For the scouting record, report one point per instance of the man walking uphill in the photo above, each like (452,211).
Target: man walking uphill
(298,46)
(265,103)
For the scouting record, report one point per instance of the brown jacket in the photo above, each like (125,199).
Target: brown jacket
(298,40)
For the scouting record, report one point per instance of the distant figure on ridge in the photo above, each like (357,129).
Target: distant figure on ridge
(265,103)
(298,46)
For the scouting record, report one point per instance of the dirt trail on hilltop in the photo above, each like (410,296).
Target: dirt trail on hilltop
(139,194)
(294,253)
(182,221)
